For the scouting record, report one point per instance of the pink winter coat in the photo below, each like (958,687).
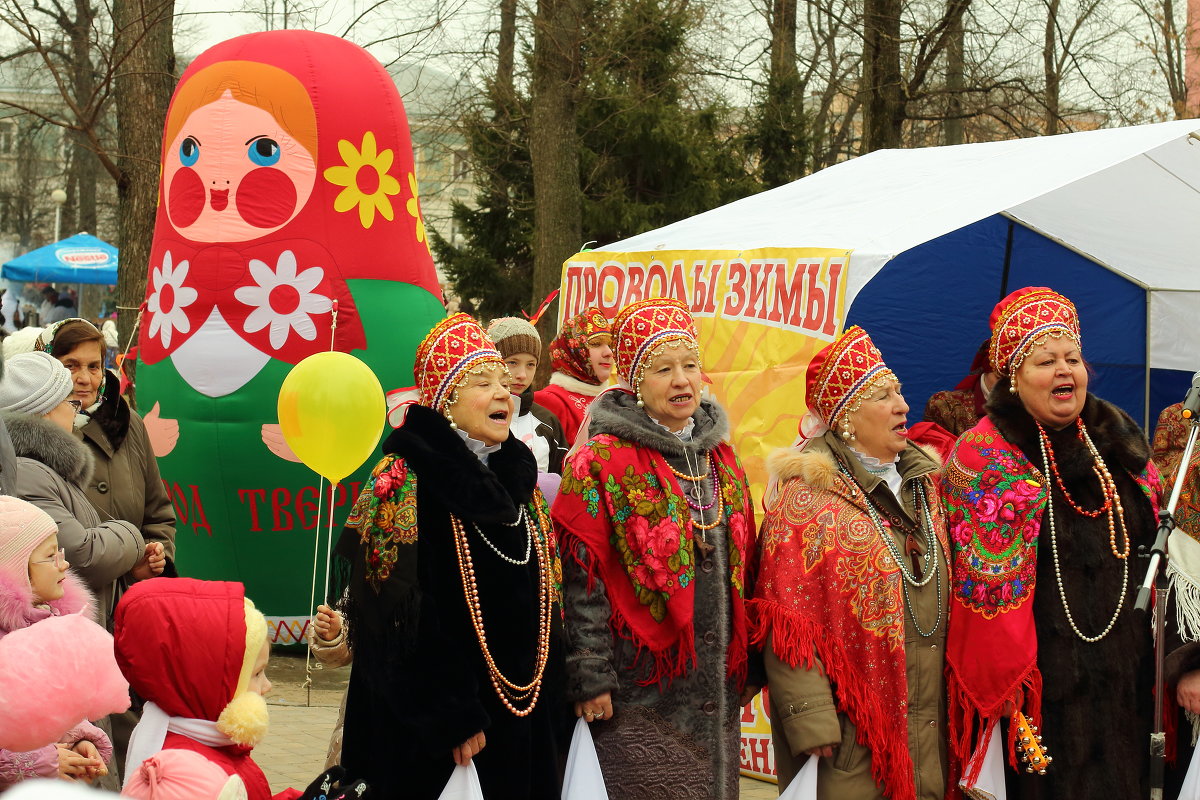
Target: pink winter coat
(17,611)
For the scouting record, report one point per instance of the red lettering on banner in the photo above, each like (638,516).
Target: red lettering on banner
(304,508)
(835,272)
(761,273)
(700,289)
(735,301)
(789,295)
(280,498)
(714,280)
(616,274)
(571,295)
(185,511)
(816,300)
(656,272)
(254,496)
(637,275)
(757,755)
(678,290)
(589,289)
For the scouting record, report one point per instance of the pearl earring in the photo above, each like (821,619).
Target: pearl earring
(640,403)
(1012,387)
(450,419)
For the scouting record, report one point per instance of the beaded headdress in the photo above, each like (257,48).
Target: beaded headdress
(569,350)
(1025,318)
(642,327)
(456,347)
(842,374)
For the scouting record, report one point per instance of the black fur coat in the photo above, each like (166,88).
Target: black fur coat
(1097,702)
(419,685)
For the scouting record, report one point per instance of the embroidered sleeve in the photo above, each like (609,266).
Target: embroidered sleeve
(16,767)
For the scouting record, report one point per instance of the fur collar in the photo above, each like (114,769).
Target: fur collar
(575,385)
(456,477)
(1117,437)
(617,413)
(16,603)
(41,440)
(817,463)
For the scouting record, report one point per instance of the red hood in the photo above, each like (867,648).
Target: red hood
(180,643)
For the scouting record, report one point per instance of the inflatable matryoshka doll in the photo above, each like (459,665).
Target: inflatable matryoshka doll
(288,224)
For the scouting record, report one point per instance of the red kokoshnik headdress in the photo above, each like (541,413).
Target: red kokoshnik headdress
(457,346)
(842,374)
(1026,317)
(640,328)
(569,350)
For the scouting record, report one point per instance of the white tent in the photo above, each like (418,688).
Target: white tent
(1125,199)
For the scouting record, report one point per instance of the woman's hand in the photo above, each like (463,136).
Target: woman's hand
(824,751)
(153,562)
(1187,692)
(328,623)
(469,749)
(599,707)
(87,749)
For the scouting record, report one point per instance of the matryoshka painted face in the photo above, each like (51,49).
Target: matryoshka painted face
(233,173)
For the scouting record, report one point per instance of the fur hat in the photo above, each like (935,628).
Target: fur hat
(182,775)
(1025,318)
(514,335)
(34,383)
(23,526)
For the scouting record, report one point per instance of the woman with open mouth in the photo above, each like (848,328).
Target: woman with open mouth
(1048,498)
(452,605)
(850,607)
(656,523)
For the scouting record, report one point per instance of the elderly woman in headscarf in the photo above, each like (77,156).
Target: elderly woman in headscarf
(850,604)
(655,517)
(1048,498)
(452,607)
(582,358)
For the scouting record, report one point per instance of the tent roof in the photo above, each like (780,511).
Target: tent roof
(1125,197)
(81,258)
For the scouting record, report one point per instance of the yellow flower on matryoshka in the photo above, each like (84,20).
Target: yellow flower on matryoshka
(414,208)
(364,174)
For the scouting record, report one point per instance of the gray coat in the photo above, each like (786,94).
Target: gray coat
(666,740)
(53,467)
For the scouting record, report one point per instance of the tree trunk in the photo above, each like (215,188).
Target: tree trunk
(884,105)
(83,84)
(1050,68)
(782,135)
(143,45)
(554,151)
(506,48)
(953,125)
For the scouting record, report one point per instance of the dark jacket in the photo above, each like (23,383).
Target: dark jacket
(419,685)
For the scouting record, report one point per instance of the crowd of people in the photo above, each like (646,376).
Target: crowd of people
(934,610)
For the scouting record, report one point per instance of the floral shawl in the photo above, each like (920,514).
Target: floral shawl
(620,502)
(995,499)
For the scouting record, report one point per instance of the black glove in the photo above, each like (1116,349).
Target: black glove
(328,786)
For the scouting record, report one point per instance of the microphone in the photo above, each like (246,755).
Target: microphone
(1191,401)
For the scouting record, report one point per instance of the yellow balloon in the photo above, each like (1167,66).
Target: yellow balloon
(331,411)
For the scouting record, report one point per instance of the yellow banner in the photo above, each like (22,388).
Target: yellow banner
(761,315)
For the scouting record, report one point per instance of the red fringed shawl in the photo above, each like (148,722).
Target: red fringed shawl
(995,498)
(828,587)
(622,504)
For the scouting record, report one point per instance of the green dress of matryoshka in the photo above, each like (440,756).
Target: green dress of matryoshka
(287,201)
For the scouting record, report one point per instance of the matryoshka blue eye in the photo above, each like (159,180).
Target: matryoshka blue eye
(264,152)
(189,152)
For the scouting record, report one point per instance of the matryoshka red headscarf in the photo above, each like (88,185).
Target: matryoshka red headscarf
(569,350)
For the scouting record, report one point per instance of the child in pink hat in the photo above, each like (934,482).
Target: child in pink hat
(36,585)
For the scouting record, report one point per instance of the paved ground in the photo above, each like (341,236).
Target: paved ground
(294,751)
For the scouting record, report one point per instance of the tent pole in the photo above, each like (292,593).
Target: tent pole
(1146,393)
(1007,261)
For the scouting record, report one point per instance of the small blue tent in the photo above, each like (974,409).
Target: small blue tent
(937,235)
(81,258)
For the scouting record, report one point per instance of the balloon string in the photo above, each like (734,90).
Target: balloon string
(333,326)
(312,596)
(329,539)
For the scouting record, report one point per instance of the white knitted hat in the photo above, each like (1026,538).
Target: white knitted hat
(23,526)
(34,383)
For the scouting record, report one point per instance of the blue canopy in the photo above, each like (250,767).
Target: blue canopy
(81,258)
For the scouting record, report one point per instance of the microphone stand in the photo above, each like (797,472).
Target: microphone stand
(1156,576)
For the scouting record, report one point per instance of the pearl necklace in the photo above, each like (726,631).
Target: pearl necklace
(931,552)
(528,539)
(698,494)
(510,693)
(1062,592)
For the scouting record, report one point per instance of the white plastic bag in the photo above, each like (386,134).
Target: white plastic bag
(1191,782)
(463,784)
(583,779)
(804,785)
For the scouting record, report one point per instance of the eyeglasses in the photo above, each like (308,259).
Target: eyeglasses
(59,559)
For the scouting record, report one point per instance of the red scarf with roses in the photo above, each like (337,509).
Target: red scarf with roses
(995,499)
(621,504)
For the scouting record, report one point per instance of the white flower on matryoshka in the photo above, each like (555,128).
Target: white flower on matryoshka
(283,299)
(169,299)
